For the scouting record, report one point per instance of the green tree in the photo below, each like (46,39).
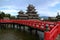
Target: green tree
(2,14)
(7,15)
(12,17)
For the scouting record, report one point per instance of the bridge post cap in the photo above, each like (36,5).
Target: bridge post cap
(47,27)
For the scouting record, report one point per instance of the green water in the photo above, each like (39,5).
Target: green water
(8,34)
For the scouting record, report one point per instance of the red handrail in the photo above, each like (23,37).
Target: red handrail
(51,35)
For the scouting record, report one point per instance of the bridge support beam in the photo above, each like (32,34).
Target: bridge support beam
(10,26)
(36,32)
(30,30)
(13,26)
(6,25)
(41,35)
(23,28)
(0,26)
(19,27)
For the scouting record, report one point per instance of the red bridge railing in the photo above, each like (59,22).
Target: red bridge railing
(51,35)
(41,25)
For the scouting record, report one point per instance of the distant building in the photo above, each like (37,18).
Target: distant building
(22,16)
(58,16)
(30,14)
(31,11)
(52,19)
(6,18)
(42,18)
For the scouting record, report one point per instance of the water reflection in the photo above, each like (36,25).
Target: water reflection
(8,34)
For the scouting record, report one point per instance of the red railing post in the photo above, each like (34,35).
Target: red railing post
(59,29)
(46,35)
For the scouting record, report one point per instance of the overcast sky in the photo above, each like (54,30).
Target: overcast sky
(43,7)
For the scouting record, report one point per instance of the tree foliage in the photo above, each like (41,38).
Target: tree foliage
(2,15)
(12,17)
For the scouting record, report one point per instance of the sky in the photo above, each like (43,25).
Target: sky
(43,7)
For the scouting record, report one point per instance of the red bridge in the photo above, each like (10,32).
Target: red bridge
(51,29)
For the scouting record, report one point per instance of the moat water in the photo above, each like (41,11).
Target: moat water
(10,34)
(16,34)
